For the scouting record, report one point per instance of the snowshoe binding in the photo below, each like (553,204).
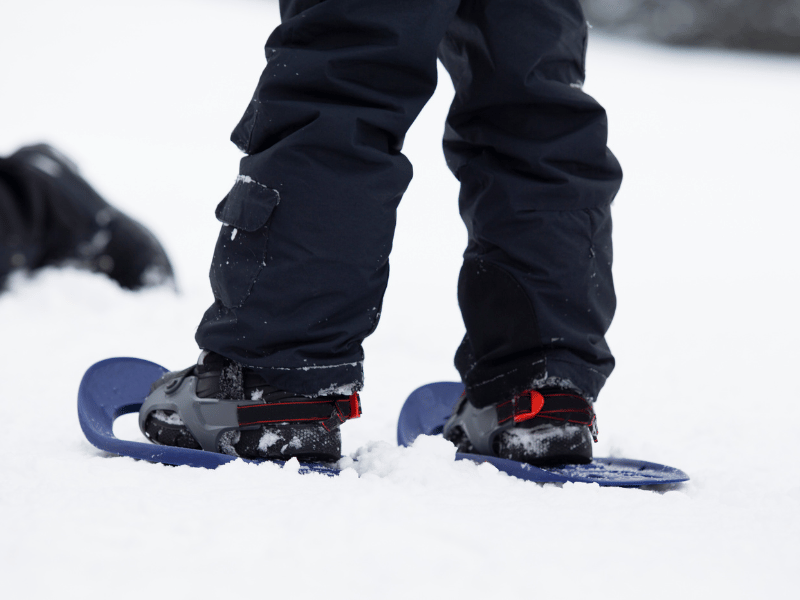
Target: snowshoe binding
(538,427)
(220,406)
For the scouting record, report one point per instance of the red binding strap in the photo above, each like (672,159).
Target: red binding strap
(527,405)
(329,412)
(355,406)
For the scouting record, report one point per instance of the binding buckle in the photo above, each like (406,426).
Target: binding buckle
(527,405)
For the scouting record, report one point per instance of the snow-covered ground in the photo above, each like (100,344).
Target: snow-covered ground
(143,95)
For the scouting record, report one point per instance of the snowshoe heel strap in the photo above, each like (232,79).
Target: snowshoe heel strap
(558,405)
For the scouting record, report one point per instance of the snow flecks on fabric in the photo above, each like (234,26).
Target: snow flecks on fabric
(227,441)
(257,395)
(231,382)
(294,443)
(333,389)
(340,390)
(546,381)
(233,233)
(495,378)
(314,367)
(269,438)
(538,439)
(249,180)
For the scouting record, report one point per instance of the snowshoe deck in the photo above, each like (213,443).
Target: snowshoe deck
(428,408)
(118,386)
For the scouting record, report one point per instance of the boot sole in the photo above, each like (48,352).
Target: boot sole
(281,441)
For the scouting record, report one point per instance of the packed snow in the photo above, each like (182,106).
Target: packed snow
(143,95)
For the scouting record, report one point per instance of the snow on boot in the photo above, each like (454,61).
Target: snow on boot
(220,406)
(539,427)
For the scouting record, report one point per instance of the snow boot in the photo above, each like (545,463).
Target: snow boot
(220,406)
(81,228)
(539,427)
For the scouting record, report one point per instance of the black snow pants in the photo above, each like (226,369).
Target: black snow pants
(302,260)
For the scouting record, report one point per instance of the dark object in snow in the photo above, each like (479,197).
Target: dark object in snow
(118,386)
(50,215)
(428,408)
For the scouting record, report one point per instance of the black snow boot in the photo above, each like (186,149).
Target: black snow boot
(539,427)
(74,225)
(220,406)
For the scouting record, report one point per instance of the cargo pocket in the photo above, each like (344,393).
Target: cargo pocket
(241,248)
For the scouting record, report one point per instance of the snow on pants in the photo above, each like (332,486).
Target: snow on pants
(302,260)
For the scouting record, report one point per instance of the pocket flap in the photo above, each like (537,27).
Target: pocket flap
(248,205)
